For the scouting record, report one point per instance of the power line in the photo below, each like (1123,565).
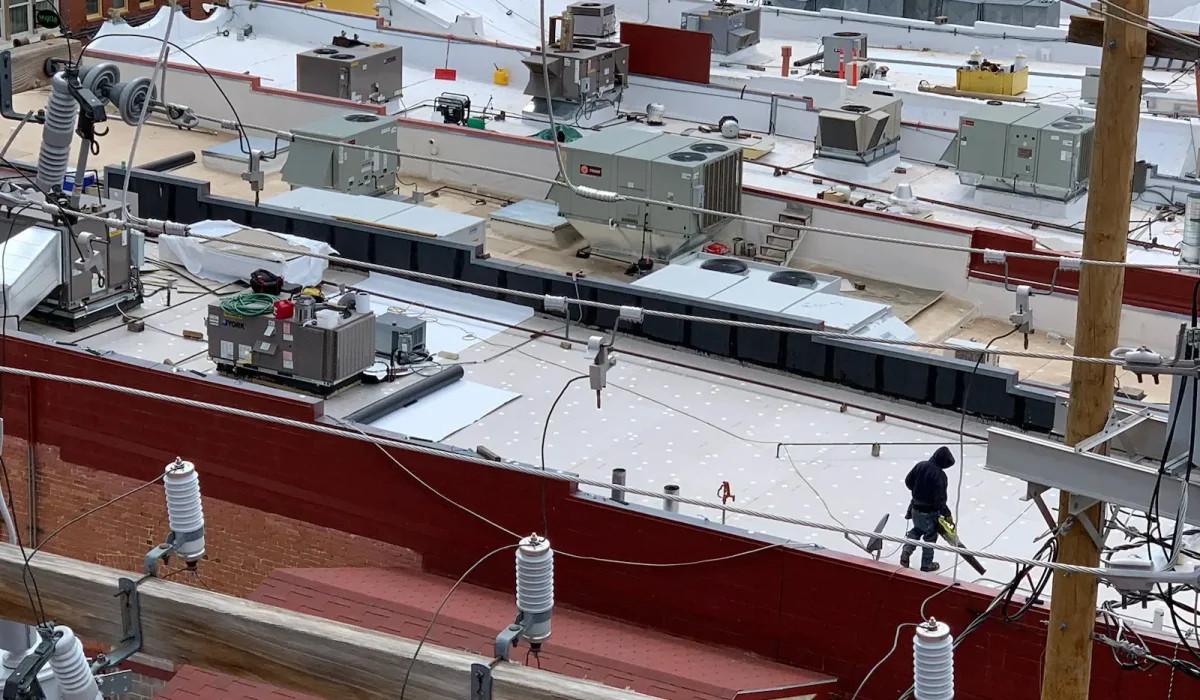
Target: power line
(534,471)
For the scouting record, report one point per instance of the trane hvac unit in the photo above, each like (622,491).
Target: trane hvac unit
(598,19)
(1040,151)
(662,167)
(343,167)
(864,129)
(733,27)
(360,73)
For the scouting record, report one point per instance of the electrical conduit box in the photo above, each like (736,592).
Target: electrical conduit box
(342,166)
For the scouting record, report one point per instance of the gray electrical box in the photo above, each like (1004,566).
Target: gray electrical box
(587,70)
(343,167)
(397,334)
(358,73)
(1042,151)
(733,27)
(598,19)
(843,46)
(663,167)
(864,129)
(307,357)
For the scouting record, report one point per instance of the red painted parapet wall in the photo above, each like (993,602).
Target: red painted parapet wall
(1161,290)
(818,610)
(663,52)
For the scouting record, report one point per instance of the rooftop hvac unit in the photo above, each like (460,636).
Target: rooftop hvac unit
(586,71)
(1041,151)
(733,27)
(844,46)
(360,73)
(344,167)
(663,167)
(1027,13)
(864,129)
(598,19)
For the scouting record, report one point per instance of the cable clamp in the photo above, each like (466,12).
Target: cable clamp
(1070,263)
(598,194)
(555,303)
(633,314)
(166,228)
(994,257)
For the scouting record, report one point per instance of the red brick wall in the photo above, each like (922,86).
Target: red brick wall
(819,610)
(244,545)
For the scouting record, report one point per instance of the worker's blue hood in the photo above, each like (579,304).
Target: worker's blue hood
(943,458)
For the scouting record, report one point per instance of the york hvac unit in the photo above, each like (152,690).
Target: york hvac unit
(733,27)
(304,356)
(597,19)
(663,167)
(864,129)
(359,73)
(343,167)
(844,46)
(585,71)
(1041,151)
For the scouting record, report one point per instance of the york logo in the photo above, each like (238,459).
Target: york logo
(233,324)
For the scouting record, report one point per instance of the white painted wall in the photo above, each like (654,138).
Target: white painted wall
(194,88)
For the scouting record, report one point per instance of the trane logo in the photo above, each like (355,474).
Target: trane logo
(592,170)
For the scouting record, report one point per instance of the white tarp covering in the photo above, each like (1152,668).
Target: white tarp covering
(446,411)
(228,262)
(30,268)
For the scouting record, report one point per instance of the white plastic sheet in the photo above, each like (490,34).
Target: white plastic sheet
(210,262)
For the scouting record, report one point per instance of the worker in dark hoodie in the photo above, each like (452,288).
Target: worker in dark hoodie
(927,481)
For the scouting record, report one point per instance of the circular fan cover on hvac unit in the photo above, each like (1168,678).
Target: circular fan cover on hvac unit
(1078,119)
(794,278)
(726,265)
(325,51)
(584,41)
(609,45)
(362,117)
(343,56)
(857,109)
(709,147)
(1066,126)
(686,157)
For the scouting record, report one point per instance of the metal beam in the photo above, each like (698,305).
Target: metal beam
(1106,479)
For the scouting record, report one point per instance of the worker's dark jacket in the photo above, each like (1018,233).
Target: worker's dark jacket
(927,481)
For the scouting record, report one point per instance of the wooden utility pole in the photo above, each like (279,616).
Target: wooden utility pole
(1069,642)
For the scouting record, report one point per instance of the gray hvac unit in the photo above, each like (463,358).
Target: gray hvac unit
(1023,13)
(598,19)
(844,45)
(301,355)
(1090,87)
(343,167)
(359,73)
(1041,151)
(663,167)
(584,71)
(733,27)
(864,129)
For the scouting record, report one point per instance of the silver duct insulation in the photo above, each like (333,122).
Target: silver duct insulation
(1189,249)
(61,113)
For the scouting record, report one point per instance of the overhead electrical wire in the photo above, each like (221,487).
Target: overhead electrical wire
(534,471)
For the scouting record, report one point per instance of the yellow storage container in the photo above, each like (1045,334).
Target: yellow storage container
(992,83)
(500,77)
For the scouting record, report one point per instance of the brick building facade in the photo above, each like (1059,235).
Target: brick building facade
(86,16)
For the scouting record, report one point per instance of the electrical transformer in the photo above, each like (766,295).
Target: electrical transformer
(733,27)
(397,335)
(343,167)
(598,19)
(664,167)
(864,129)
(305,356)
(843,46)
(583,71)
(359,73)
(1041,151)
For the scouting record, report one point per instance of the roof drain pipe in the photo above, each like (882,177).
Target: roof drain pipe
(1189,249)
(933,661)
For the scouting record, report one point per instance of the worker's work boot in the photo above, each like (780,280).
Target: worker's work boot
(905,561)
(930,567)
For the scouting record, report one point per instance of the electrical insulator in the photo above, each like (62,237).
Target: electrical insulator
(75,678)
(184,511)
(933,661)
(535,587)
(59,128)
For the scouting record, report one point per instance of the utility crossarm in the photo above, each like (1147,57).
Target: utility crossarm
(1090,32)
(1048,464)
(287,649)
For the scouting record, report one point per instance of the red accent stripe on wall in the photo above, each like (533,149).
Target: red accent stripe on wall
(663,52)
